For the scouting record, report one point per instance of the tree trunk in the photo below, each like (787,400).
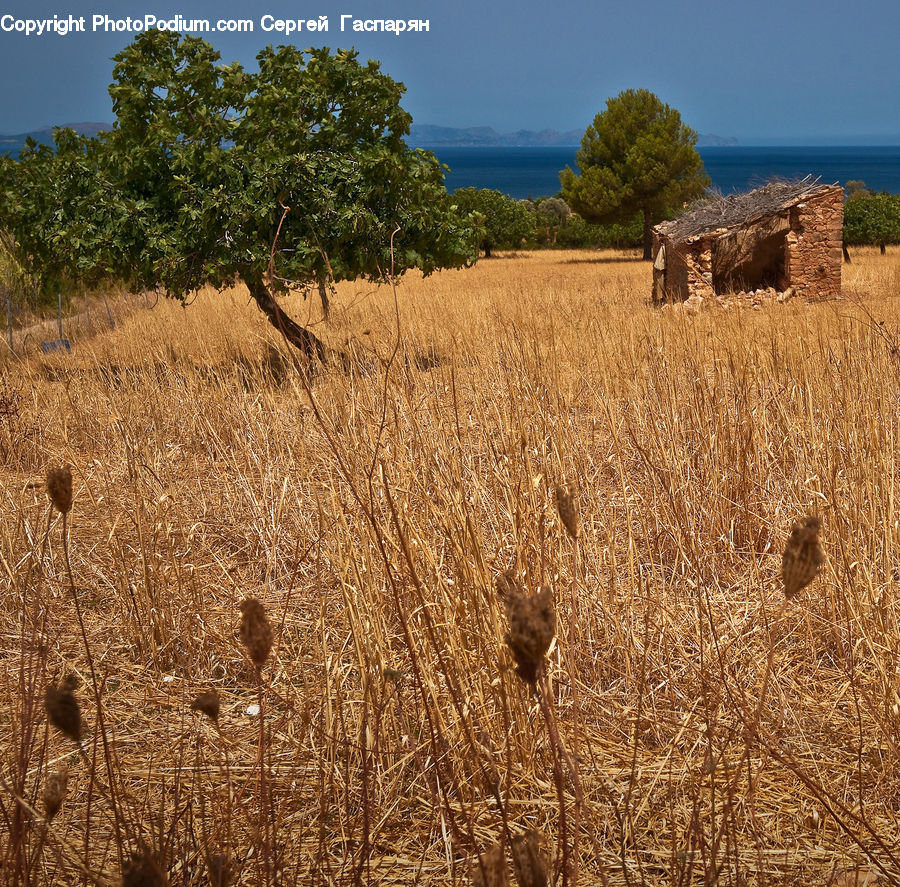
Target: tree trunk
(846,253)
(883,248)
(487,250)
(648,236)
(323,295)
(296,335)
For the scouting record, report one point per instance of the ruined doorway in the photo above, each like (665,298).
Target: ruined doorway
(751,258)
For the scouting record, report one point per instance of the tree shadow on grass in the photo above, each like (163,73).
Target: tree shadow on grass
(604,260)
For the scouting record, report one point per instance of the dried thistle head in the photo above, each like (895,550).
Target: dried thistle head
(802,556)
(208,704)
(63,710)
(54,792)
(529,864)
(59,488)
(255,631)
(508,585)
(568,509)
(489,869)
(142,870)
(219,870)
(532,624)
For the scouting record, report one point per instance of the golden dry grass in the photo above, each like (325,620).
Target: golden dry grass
(371,513)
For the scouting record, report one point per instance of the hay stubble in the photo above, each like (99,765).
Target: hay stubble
(370,525)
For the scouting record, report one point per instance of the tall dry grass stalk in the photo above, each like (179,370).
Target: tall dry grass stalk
(370,507)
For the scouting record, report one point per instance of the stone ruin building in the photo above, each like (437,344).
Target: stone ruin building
(774,243)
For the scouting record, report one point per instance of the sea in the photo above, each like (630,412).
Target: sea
(534,172)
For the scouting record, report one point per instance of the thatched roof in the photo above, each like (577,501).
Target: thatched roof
(713,214)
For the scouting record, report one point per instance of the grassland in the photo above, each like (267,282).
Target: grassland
(691,727)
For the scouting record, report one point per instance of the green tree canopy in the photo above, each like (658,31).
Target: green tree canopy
(637,156)
(505,222)
(856,188)
(551,213)
(31,221)
(297,174)
(48,205)
(872,219)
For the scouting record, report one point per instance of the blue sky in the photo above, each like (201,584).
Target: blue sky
(764,71)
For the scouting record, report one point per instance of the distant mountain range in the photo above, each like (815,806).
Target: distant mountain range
(711,140)
(15,143)
(423,135)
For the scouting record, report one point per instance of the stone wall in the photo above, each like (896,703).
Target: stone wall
(813,253)
(812,256)
(688,271)
(698,258)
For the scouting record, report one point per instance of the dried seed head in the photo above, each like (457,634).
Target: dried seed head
(528,860)
(255,631)
(802,556)
(63,710)
(489,870)
(568,509)
(208,703)
(508,585)
(142,870)
(532,624)
(59,488)
(219,870)
(55,792)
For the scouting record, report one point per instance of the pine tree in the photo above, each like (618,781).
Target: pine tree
(637,156)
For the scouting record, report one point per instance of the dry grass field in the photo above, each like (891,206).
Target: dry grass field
(691,725)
